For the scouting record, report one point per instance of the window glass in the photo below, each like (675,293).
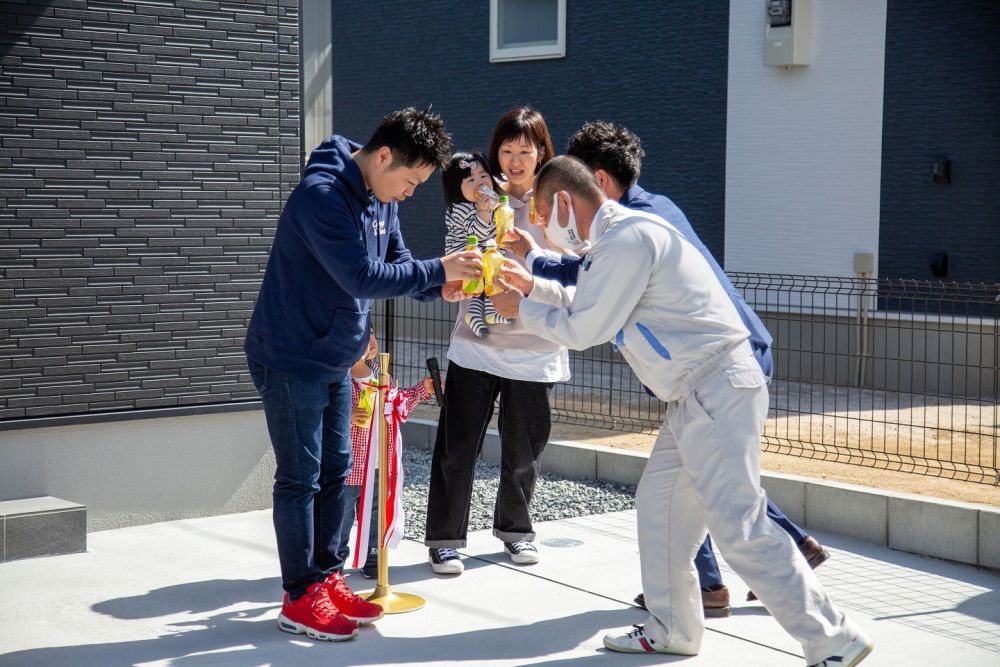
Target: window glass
(527,23)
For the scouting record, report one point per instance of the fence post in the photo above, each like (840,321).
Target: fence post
(862,329)
(389,330)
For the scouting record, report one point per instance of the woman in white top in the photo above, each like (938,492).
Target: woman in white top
(511,363)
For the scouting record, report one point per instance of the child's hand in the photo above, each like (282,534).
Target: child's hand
(360,417)
(429,385)
(484,206)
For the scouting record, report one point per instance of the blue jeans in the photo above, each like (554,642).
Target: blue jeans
(352,494)
(309,425)
(708,567)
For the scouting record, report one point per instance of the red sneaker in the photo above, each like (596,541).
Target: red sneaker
(315,615)
(350,605)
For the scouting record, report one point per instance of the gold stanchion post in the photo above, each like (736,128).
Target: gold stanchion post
(391,603)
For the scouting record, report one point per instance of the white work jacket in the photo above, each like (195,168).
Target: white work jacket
(646,289)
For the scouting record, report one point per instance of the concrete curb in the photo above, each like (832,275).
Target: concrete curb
(961,532)
(42,526)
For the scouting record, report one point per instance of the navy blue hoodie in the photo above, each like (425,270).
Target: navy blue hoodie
(335,249)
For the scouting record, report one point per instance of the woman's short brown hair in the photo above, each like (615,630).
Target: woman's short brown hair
(521,122)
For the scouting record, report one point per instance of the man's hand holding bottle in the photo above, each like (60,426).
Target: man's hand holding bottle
(459,266)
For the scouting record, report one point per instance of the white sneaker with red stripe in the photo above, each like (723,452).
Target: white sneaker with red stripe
(636,641)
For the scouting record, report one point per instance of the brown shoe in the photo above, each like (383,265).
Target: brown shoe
(812,551)
(715,603)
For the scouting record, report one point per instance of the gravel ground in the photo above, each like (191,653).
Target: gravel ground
(554,498)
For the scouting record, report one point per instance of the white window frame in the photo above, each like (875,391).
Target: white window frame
(557,50)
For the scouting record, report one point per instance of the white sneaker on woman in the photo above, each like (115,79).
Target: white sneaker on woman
(522,553)
(445,561)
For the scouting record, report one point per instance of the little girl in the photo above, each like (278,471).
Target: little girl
(471,214)
(365,372)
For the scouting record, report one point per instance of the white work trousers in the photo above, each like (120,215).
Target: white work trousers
(704,473)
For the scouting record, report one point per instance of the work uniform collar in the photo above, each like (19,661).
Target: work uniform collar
(603,219)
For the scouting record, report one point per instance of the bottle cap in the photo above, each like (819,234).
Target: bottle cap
(491,243)
(504,199)
(472,239)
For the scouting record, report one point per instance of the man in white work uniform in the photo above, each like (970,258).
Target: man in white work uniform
(649,291)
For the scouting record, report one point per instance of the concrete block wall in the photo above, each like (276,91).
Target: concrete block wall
(135,471)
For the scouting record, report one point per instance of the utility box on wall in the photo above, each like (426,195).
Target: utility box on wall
(788,33)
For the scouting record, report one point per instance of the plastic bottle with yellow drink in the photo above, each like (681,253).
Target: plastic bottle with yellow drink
(366,403)
(492,259)
(472,285)
(503,218)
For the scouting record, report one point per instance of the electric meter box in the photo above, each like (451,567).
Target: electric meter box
(788,33)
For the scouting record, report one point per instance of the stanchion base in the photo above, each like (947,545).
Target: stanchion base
(394,603)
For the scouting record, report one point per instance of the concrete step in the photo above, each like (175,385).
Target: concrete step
(43,526)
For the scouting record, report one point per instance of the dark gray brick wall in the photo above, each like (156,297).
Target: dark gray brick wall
(659,68)
(146,149)
(942,99)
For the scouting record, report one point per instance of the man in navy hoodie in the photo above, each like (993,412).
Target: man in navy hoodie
(615,155)
(337,247)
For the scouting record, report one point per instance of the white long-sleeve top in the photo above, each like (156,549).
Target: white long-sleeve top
(510,351)
(645,288)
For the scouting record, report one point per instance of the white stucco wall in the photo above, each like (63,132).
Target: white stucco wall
(144,470)
(803,151)
(317,73)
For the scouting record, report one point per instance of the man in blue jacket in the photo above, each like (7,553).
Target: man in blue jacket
(336,248)
(615,155)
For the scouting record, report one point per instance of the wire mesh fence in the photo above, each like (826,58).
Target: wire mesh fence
(891,374)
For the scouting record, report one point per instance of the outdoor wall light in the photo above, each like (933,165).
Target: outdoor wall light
(942,170)
(939,265)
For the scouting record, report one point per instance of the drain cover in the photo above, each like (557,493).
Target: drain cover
(562,542)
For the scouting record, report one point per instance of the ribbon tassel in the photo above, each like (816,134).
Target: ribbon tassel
(395,414)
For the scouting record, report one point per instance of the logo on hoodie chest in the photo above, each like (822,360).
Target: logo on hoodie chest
(378,227)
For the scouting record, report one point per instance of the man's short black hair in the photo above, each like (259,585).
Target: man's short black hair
(416,138)
(570,174)
(610,147)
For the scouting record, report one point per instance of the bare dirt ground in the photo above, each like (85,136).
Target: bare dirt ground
(871,437)
(862,438)
(938,487)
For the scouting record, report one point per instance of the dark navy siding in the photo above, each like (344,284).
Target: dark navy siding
(942,99)
(659,68)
